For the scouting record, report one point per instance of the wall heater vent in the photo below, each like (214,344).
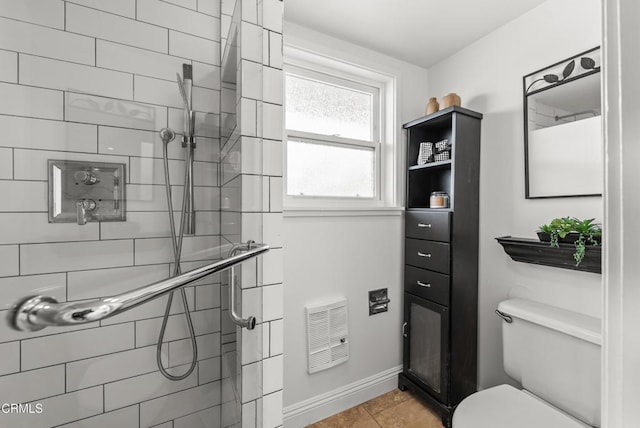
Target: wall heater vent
(327,335)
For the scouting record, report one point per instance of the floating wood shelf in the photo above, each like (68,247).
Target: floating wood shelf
(541,253)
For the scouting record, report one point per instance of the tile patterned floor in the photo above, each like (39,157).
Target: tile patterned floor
(395,409)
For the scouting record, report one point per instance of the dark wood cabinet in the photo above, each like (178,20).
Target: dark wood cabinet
(441,260)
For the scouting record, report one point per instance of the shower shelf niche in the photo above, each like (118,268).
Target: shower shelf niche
(541,253)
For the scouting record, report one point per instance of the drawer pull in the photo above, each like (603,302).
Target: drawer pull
(424,225)
(428,255)
(422,284)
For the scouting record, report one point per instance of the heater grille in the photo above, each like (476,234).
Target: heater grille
(327,335)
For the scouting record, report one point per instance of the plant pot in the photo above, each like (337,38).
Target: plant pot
(569,239)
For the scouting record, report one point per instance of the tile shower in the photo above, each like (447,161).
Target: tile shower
(94,80)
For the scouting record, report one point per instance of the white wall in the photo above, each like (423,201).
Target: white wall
(329,256)
(488,76)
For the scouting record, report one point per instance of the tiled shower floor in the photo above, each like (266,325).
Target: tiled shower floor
(395,409)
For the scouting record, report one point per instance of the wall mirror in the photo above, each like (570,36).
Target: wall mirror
(562,128)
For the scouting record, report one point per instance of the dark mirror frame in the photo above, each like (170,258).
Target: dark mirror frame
(563,72)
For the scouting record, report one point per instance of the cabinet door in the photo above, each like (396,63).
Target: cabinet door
(426,332)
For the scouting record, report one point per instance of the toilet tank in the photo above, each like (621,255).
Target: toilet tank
(555,354)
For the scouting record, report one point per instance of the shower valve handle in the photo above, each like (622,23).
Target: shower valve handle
(82,206)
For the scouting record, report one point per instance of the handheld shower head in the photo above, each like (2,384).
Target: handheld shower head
(167,135)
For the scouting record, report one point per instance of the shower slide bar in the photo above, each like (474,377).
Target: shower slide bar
(34,313)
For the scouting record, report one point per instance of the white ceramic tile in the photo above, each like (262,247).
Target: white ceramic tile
(210,7)
(66,76)
(252,303)
(138,61)
(272,410)
(208,296)
(250,11)
(64,347)
(252,344)
(206,198)
(151,171)
(196,48)
(251,381)
(10,361)
(272,229)
(230,411)
(230,223)
(189,4)
(272,378)
(251,228)
(119,7)
(20,36)
(114,28)
(180,352)
(60,257)
(27,101)
(227,6)
(272,162)
(10,260)
(275,50)
(20,196)
(205,174)
(249,415)
(41,12)
(272,303)
(251,74)
(275,194)
(272,121)
(159,250)
(250,41)
(23,132)
(142,388)
(30,228)
(207,223)
(205,75)
(32,164)
(178,18)
(272,15)
(156,91)
(16,287)
(207,149)
(207,124)
(138,225)
(97,283)
(265,193)
(164,425)
(6,164)
(127,417)
(108,368)
(272,84)
(59,410)
(34,384)
(276,337)
(272,267)
(208,418)
(153,309)
(146,197)
(206,100)
(133,142)
(251,193)
(207,280)
(8,66)
(106,111)
(183,403)
(248,117)
(265,46)
(204,322)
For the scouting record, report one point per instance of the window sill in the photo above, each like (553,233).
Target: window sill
(341,212)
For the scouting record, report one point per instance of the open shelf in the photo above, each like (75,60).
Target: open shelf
(439,164)
(541,253)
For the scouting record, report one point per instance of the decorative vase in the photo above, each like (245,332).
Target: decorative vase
(451,99)
(432,106)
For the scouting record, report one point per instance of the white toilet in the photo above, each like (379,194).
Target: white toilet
(555,355)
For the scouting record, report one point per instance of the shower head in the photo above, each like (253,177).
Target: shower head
(183,92)
(167,135)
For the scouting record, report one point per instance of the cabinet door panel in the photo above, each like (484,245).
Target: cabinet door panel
(433,226)
(425,283)
(427,255)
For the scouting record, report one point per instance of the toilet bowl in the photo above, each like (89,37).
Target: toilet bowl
(555,355)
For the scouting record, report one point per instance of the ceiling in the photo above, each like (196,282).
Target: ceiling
(422,32)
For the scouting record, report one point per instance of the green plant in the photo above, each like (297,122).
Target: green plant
(586,230)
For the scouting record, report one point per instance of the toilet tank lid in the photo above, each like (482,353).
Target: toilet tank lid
(568,322)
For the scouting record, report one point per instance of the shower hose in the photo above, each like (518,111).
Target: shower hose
(176,239)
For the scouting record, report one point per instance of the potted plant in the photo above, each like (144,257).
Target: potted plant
(571,230)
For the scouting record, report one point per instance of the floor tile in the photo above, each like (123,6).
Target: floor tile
(383,402)
(356,417)
(408,414)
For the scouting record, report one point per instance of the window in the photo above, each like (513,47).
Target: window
(335,132)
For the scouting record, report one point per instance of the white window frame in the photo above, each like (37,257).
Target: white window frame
(316,66)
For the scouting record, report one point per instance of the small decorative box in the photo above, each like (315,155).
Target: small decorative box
(425,155)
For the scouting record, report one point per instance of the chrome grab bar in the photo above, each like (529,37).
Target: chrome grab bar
(250,322)
(34,313)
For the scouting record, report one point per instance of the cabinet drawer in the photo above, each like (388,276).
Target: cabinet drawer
(428,225)
(427,284)
(427,254)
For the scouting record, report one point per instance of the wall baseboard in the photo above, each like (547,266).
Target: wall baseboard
(321,406)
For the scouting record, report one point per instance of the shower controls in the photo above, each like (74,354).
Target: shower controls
(81,192)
